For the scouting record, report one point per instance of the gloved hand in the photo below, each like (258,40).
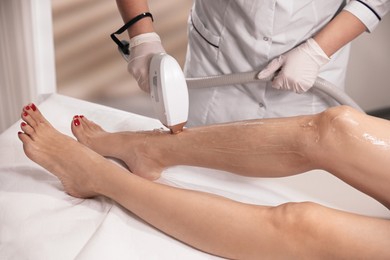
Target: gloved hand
(299,67)
(142,48)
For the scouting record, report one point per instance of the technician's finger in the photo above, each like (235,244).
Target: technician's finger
(279,82)
(271,68)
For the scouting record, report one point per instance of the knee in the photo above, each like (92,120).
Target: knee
(291,216)
(339,117)
(297,223)
(332,129)
(337,122)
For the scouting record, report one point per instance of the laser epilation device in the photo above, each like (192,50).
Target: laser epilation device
(168,91)
(169,88)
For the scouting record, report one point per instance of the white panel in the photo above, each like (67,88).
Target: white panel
(368,78)
(26,56)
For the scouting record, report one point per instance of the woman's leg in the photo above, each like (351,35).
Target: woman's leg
(349,144)
(355,147)
(210,223)
(270,147)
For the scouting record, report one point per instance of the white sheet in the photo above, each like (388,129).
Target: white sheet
(38,220)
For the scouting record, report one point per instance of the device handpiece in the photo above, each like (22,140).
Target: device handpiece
(176,129)
(168,92)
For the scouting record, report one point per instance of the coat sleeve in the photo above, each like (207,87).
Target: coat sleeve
(370,12)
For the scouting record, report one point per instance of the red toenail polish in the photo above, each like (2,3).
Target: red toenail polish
(27,107)
(76,116)
(25,114)
(23,124)
(76,122)
(81,116)
(33,107)
(19,133)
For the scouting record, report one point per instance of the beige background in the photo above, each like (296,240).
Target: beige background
(89,67)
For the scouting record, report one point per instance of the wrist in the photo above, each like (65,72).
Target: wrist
(322,43)
(142,23)
(133,27)
(143,38)
(142,26)
(317,53)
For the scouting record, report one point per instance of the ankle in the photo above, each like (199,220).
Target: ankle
(159,147)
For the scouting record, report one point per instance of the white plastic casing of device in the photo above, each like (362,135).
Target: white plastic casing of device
(168,90)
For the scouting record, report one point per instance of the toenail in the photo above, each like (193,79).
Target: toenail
(76,116)
(76,122)
(19,133)
(33,107)
(81,116)
(27,107)
(23,124)
(25,114)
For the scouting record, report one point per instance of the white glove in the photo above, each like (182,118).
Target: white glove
(299,67)
(142,48)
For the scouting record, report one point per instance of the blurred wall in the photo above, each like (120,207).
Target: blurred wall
(89,66)
(87,61)
(368,78)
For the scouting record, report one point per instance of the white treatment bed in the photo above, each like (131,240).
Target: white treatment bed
(38,220)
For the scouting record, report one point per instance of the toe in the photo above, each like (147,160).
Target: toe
(92,125)
(85,130)
(32,116)
(76,120)
(77,126)
(24,138)
(36,114)
(27,129)
(86,123)
(26,116)
(80,122)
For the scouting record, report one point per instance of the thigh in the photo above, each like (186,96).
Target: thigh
(309,230)
(356,148)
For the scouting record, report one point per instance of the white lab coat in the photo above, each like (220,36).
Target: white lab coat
(227,36)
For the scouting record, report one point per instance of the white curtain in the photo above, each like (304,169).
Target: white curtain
(27,69)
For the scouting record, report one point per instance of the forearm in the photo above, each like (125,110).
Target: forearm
(130,9)
(341,30)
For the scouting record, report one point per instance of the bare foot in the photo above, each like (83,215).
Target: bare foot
(75,165)
(133,148)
